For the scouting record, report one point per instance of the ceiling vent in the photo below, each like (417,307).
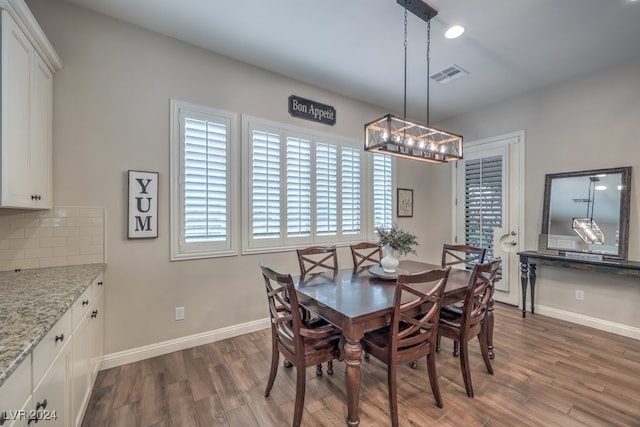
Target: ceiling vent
(449,74)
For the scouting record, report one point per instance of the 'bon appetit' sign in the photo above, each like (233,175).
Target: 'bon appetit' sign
(312,110)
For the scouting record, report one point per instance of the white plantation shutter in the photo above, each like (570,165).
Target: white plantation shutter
(302,188)
(351,205)
(201,185)
(265,185)
(326,189)
(382,191)
(483,201)
(298,187)
(205,180)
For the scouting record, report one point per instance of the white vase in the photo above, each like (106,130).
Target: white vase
(389,261)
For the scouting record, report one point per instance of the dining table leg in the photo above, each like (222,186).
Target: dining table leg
(352,356)
(489,325)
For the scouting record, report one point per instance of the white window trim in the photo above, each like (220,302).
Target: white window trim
(283,243)
(176,157)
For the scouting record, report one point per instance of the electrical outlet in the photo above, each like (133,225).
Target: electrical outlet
(580,295)
(179,313)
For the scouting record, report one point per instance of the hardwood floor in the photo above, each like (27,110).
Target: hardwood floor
(547,373)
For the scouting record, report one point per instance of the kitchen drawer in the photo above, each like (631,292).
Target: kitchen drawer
(81,306)
(47,349)
(15,390)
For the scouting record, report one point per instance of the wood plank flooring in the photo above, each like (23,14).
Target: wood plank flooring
(547,373)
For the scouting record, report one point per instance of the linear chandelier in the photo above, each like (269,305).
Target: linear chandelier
(400,137)
(586,227)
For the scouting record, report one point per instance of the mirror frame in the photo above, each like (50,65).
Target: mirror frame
(625,203)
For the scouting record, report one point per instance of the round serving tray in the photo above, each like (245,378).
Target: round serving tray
(379,272)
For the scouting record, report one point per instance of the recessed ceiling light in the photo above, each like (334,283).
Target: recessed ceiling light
(454,32)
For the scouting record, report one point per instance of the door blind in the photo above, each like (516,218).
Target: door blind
(483,201)
(382,191)
(350,190)
(326,189)
(298,187)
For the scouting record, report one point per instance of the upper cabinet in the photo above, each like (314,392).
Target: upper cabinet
(28,62)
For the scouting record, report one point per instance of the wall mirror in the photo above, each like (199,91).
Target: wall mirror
(588,212)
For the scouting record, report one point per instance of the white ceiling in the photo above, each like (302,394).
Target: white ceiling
(355,47)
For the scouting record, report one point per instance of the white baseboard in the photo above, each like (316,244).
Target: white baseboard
(158,349)
(580,319)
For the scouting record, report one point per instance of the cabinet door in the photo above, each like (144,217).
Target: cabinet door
(96,328)
(17,54)
(26,121)
(40,141)
(51,396)
(80,370)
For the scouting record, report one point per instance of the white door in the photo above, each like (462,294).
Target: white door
(488,202)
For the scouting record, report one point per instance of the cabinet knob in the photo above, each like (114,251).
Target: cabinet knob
(42,405)
(36,197)
(94,314)
(85,302)
(58,338)
(99,283)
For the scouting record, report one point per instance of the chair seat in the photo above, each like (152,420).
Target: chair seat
(377,343)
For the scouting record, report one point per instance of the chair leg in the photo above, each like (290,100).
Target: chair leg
(274,368)
(438,343)
(484,349)
(393,394)
(456,348)
(300,390)
(433,379)
(464,365)
(330,367)
(319,369)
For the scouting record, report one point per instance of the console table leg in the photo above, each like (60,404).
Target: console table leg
(524,276)
(532,280)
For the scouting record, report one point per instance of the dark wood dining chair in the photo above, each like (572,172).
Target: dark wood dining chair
(412,332)
(462,326)
(317,258)
(300,344)
(365,254)
(462,254)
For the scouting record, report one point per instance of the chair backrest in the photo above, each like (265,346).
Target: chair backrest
(462,254)
(317,258)
(417,331)
(286,320)
(365,254)
(479,292)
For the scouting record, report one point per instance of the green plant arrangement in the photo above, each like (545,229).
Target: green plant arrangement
(400,240)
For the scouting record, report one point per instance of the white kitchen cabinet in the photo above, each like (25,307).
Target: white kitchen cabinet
(14,393)
(51,395)
(88,338)
(27,64)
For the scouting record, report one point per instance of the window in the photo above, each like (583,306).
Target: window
(382,191)
(483,201)
(304,188)
(202,166)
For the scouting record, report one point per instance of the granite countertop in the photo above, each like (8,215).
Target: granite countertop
(31,302)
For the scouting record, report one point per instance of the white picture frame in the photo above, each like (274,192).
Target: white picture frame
(143,205)
(404,203)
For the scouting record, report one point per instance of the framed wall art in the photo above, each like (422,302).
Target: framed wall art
(405,202)
(143,205)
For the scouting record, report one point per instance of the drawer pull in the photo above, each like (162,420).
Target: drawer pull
(94,314)
(3,417)
(85,302)
(33,418)
(59,338)
(42,405)
(100,283)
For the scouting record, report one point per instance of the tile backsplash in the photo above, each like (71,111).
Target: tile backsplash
(57,237)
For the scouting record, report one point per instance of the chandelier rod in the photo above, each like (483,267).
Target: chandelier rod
(404,112)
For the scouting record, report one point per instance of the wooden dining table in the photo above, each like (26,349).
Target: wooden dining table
(359,302)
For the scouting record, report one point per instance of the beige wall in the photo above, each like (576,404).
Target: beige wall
(111,114)
(584,123)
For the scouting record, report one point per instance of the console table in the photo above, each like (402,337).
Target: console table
(530,259)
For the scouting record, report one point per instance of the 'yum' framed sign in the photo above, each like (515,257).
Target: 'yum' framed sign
(143,205)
